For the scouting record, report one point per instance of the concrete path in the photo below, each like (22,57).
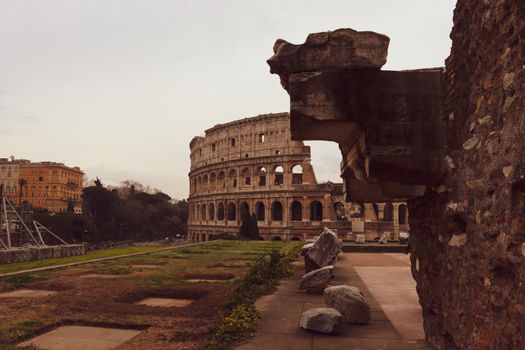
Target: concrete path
(390,281)
(280,313)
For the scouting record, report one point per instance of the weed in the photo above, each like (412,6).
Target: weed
(239,316)
(25,278)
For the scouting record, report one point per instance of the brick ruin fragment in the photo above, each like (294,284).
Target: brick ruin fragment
(450,141)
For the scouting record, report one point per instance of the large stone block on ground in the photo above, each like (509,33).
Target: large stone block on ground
(325,250)
(350,302)
(316,280)
(323,320)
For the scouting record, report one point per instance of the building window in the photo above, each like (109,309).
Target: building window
(213,147)
(277,211)
(277,152)
(316,211)
(262,138)
(279,175)
(232,142)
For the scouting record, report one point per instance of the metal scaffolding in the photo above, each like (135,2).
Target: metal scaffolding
(14,232)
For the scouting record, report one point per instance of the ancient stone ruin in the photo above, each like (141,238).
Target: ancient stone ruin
(252,167)
(449,141)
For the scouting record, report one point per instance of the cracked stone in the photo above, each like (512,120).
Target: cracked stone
(471,143)
(507,170)
(486,120)
(458,240)
(508,79)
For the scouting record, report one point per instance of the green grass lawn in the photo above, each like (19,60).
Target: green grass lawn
(96,254)
(95,300)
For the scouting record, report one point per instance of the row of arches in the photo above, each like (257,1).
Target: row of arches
(247,177)
(228,211)
(386,213)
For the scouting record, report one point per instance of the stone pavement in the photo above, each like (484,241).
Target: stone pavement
(280,313)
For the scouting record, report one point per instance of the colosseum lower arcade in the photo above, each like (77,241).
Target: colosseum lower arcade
(253,165)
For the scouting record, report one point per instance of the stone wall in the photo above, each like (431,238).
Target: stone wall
(33,253)
(451,142)
(468,234)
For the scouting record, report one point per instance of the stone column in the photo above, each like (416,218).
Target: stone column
(306,209)
(381,211)
(396,221)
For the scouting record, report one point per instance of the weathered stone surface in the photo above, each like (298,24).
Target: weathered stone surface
(340,103)
(323,320)
(316,280)
(341,49)
(350,302)
(305,249)
(472,296)
(38,253)
(325,250)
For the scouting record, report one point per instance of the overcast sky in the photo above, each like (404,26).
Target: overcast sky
(120,87)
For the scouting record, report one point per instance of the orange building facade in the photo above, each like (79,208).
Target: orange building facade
(52,186)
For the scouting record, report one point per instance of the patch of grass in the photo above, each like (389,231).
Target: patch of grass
(25,278)
(96,254)
(14,331)
(239,316)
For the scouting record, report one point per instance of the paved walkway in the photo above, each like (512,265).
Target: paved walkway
(281,311)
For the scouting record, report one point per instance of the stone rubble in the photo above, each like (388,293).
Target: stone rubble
(350,302)
(316,280)
(326,249)
(323,320)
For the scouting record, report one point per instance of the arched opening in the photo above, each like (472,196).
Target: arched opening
(376,210)
(232,176)
(295,239)
(205,182)
(277,211)
(361,208)
(203,238)
(213,181)
(403,214)
(222,180)
(259,211)
(262,176)
(246,175)
(199,182)
(388,214)
(276,238)
(231,212)
(194,187)
(262,137)
(297,174)
(340,211)
(203,212)
(279,175)
(198,216)
(245,207)
(220,212)
(211,211)
(297,211)
(316,211)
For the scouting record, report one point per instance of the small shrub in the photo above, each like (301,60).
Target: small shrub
(25,278)
(238,311)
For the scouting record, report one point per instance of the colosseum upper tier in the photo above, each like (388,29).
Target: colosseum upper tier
(252,164)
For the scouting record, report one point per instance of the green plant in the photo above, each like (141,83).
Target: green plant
(239,316)
(14,331)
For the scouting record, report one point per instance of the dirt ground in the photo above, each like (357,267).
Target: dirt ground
(108,297)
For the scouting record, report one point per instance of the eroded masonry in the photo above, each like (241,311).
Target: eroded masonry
(252,165)
(450,142)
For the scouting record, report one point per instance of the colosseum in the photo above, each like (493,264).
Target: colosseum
(253,165)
